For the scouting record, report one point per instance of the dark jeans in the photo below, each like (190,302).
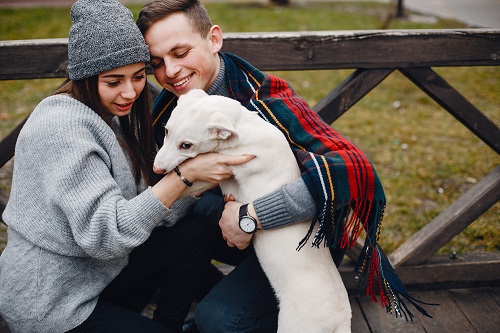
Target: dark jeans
(244,300)
(172,261)
(109,318)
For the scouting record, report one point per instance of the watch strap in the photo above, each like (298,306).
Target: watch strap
(243,210)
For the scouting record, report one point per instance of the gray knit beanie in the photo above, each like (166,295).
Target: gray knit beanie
(104,36)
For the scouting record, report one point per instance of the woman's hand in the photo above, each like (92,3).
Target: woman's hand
(211,167)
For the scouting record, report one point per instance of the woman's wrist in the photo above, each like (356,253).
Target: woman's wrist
(184,179)
(187,171)
(168,189)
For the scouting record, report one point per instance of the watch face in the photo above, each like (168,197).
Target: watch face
(247,224)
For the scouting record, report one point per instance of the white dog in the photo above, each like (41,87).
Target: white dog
(311,294)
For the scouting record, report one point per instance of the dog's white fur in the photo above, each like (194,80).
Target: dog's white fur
(311,294)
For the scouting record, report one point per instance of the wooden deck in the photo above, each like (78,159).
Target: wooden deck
(464,310)
(460,311)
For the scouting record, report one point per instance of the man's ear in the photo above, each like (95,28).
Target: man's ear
(220,127)
(216,38)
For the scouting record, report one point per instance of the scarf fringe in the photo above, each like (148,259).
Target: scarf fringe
(373,270)
(348,222)
(376,273)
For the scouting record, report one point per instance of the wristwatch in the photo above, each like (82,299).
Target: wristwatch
(247,222)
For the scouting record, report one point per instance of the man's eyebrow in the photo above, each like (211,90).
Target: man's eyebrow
(174,48)
(121,75)
(178,46)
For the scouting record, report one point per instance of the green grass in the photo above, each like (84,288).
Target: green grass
(425,158)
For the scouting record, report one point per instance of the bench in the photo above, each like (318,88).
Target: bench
(373,55)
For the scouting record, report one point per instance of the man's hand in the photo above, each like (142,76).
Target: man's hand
(229,224)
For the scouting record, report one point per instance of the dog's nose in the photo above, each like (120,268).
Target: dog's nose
(158,170)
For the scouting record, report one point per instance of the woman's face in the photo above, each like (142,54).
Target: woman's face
(120,87)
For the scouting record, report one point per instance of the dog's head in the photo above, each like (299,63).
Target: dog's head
(200,123)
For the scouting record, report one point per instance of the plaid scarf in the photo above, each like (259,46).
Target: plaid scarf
(340,178)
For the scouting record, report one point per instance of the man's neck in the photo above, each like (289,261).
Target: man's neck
(219,86)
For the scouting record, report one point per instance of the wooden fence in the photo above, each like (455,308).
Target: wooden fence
(374,55)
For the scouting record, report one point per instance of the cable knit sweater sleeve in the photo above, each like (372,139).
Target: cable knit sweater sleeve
(287,205)
(72,178)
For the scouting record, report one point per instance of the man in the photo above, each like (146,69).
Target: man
(338,188)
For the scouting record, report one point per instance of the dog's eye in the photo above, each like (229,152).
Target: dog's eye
(185,145)
(166,132)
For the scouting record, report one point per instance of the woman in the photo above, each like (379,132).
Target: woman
(91,238)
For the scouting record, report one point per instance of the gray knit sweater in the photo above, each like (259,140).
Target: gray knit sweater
(74,215)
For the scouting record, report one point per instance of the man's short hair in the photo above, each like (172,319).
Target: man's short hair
(156,10)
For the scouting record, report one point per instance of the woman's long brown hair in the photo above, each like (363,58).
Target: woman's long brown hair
(137,127)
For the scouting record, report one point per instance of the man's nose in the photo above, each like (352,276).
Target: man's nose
(172,68)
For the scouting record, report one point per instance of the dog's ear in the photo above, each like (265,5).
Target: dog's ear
(220,127)
(220,132)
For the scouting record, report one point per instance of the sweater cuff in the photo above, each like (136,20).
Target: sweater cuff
(156,211)
(291,203)
(272,210)
(178,210)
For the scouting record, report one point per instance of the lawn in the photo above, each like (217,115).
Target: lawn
(425,158)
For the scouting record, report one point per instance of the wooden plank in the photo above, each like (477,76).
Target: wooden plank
(31,59)
(440,272)
(8,144)
(495,293)
(459,310)
(365,49)
(450,222)
(358,321)
(467,270)
(349,92)
(3,202)
(304,50)
(382,322)
(480,308)
(457,105)
(447,316)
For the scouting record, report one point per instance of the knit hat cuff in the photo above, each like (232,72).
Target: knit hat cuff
(109,61)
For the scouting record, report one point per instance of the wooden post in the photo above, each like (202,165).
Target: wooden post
(400,9)
(280,2)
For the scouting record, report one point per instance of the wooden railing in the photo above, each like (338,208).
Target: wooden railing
(374,55)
